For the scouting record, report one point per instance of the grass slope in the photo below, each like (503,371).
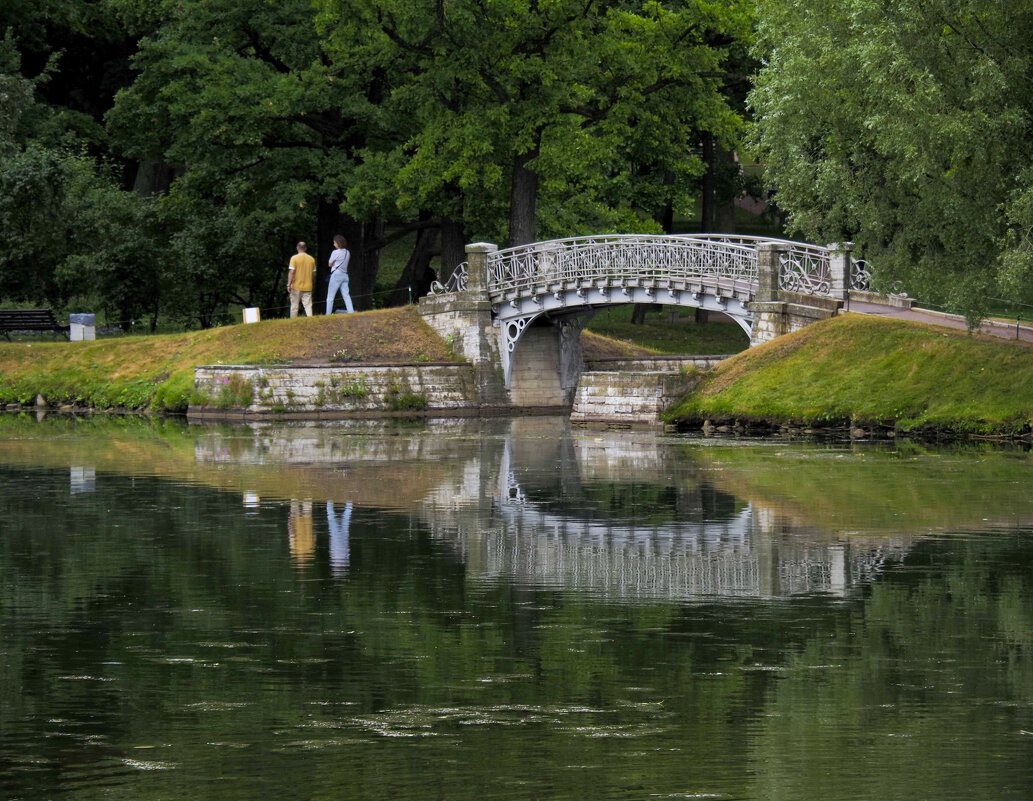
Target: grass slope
(597,346)
(663,335)
(868,370)
(157,372)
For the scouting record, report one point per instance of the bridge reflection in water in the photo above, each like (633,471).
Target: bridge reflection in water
(697,542)
(618,514)
(734,558)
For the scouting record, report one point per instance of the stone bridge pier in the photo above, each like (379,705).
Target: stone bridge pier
(541,373)
(464,320)
(778,311)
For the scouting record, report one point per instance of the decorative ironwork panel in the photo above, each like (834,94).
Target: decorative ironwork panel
(860,277)
(805,269)
(725,262)
(619,260)
(455,283)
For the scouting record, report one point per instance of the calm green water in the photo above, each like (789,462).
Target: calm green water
(508,610)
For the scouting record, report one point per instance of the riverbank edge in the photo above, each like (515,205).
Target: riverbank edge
(862,377)
(790,429)
(611,391)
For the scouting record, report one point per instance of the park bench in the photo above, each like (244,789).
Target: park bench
(29,320)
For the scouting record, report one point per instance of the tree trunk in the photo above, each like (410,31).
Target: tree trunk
(365,260)
(327,225)
(267,289)
(665,214)
(638,313)
(152,178)
(453,247)
(709,185)
(417,276)
(363,263)
(709,195)
(523,200)
(724,214)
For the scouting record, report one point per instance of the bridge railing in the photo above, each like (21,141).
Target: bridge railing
(860,276)
(645,259)
(619,259)
(803,267)
(454,283)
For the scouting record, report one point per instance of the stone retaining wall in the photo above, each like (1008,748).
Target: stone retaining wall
(628,398)
(537,377)
(654,364)
(629,391)
(463,320)
(773,319)
(335,391)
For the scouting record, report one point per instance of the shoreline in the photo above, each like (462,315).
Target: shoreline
(711,429)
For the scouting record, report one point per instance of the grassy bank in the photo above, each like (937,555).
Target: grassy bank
(157,372)
(868,371)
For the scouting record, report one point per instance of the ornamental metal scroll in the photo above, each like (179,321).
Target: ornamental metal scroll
(805,270)
(631,259)
(455,282)
(860,276)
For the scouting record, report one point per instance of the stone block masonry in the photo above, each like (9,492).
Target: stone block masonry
(773,319)
(537,378)
(334,391)
(628,398)
(464,320)
(654,364)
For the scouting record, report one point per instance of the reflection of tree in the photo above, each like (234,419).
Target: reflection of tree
(934,672)
(409,646)
(898,488)
(657,503)
(803,698)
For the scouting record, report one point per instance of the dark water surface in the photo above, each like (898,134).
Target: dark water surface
(508,610)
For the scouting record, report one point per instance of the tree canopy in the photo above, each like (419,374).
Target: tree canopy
(183,147)
(904,126)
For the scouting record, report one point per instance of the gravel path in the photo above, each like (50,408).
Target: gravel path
(996,329)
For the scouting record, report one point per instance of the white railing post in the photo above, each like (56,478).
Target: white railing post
(769,256)
(477,255)
(839,270)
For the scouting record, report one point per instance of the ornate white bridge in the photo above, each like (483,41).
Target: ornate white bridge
(566,280)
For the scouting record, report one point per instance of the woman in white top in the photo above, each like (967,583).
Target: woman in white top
(339,276)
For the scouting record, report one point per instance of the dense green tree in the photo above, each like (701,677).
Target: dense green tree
(904,126)
(164,157)
(67,229)
(241,99)
(544,115)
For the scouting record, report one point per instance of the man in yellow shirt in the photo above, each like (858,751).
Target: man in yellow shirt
(300,280)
